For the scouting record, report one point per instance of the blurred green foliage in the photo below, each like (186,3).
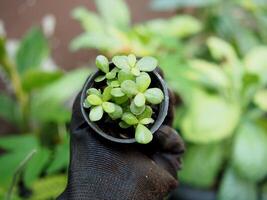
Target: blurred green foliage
(213,54)
(38,105)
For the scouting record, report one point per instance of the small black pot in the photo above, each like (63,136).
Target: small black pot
(163,107)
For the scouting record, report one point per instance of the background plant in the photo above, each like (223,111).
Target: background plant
(221,85)
(37,104)
(127,100)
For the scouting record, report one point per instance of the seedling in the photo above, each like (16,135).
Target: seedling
(125,96)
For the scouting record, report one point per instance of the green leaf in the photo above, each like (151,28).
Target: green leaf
(112,74)
(107,93)
(209,118)
(102,63)
(86,104)
(118,16)
(131,60)
(89,21)
(94,100)
(125,75)
(100,78)
(201,165)
(123,124)
(36,166)
(96,113)
(115,83)
(93,91)
(49,187)
(135,71)
(129,118)
(8,109)
(34,79)
(250,152)
(32,50)
(260,99)
(234,187)
(143,134)
(120,100)
(129,87)
(108,107)
(147,64)
(221,50)
(117,92)
(60,158)
(146,114)
(117,113)
(146,121)
(139,100)
(121,62)
(17,147)
(143,81)
(256,62)
(154,95)
(2,48)
(136,110)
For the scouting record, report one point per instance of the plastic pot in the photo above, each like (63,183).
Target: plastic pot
(163,107)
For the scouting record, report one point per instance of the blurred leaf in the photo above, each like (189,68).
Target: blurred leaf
(177,4)
(209,118)
(60,158)
(102,63)
(264,192)
(2,48)
(256,62)
(52,97)
(17,147)
(121,62)
(32,50)
(260,99)
(209,74)
(179,26)
(147,63)
(154,95)
(201,165)
(250,152)
(49,187)
(89,21)
(34,79)
(235,188)
(36,166)
(221,50)
(8,109)
(118,16)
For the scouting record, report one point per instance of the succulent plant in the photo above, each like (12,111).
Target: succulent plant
(126,95)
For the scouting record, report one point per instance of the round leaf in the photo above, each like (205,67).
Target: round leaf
(117,92)
(123,124)
(129,118)
(131,60)
(136,110)
(107,93)
(112,74)
(117,113)
(96,113)
(108,107)
(94,100)
(146,121)
(102,63)
(93,91)
(139,100)
(154,95)
(120,100)
(125,75)
(100,78)
(129,87)
(135,71)
(86,104)
(121,62)
(143,134)
(147,113)
(115,84)
(147,64)
(143,81)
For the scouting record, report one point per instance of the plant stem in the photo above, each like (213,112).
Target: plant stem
(21,96)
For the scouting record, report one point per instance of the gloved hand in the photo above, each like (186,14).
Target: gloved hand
(104,170)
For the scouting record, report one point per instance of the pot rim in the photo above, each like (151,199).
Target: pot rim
(158,122)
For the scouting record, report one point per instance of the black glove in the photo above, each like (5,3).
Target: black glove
(104,170)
